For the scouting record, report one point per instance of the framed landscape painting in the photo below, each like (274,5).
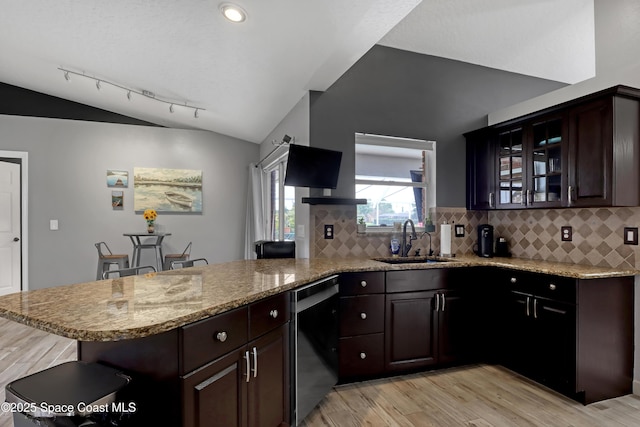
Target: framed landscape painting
(167,190)
(117,178)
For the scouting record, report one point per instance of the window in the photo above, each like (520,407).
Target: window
(396,176)
(280,202)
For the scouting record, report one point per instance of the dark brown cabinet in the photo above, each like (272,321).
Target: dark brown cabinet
(585,152)
(361,342)
(244,388)
(572,335)
(428,315)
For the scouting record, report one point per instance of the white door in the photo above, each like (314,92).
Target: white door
(10,263)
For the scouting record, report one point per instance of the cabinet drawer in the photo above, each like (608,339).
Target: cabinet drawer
(361,315)
(361,355)
(268,314)
(208,339)
(544,285)
(417,280)
(362,283)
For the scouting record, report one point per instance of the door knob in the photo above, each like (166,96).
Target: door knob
(16,239)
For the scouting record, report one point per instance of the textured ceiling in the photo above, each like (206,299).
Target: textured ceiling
(248,76)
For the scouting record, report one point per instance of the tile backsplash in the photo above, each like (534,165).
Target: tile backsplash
(532,234)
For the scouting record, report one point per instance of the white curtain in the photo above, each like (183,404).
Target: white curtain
(254,225)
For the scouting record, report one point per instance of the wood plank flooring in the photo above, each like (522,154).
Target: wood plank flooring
(25,350)
(473,396)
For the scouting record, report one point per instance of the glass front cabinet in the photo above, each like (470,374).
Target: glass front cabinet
(531,159)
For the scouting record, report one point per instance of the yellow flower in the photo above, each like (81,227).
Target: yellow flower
(150,215)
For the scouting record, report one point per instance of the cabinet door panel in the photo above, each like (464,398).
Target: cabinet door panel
(410,333)
(268,393)
(517,346)
(457,324)
(480,171)
(215,394)
(555,336)
(590,158)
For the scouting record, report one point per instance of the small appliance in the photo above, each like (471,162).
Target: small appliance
(485,240)
(502,247)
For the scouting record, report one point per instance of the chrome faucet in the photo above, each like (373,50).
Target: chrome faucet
(404,246)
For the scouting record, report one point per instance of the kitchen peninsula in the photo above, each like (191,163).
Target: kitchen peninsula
(157,325)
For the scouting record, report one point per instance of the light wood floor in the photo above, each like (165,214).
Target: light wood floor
(474,396)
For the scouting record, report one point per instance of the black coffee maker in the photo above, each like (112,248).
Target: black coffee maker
(485,240)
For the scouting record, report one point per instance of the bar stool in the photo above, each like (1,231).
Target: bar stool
(133,271)
(169,258)
(106,259)
(175,265)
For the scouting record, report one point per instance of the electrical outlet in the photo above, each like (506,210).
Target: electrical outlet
(631,235)
(566,233)
(459,230)
(328,231)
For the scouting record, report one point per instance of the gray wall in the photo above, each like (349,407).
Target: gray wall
(68,160)
(399,93)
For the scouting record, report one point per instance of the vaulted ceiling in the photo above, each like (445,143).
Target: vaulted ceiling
(244,78)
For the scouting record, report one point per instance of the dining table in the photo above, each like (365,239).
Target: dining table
(151,241)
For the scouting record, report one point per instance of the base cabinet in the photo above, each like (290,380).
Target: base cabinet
(572,335)
(244,388)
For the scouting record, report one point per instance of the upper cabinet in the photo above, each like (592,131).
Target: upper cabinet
(582,153)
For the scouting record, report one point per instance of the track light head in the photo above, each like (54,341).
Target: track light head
(129,95)
(171,108)
(196,114)
(98,84)
(67,77)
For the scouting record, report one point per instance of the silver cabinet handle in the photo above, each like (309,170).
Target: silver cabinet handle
(247,365)
(492,201)
(273,314)
(444,302)
(569,194)
(528,306)
(514,280)
(535,308)
(255,362)
(363,355)
(552,286)
(363,283)
(221,336)
(437,302)
(523,198)
(528,200)
(363,316)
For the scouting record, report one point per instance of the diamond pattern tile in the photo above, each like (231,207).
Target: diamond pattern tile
(534,234)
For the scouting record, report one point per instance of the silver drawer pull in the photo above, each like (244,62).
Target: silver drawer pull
(363,316)
(363,356)
(363,283)
(514,280)
(552,287)
(273,314)
(221,336)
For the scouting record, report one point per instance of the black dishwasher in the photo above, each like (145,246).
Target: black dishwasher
(315,343)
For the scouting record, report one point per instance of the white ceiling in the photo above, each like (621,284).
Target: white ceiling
(248,76)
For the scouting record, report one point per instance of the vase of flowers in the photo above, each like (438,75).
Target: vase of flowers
(150,216)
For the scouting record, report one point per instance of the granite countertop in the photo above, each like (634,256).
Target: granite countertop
(139,306)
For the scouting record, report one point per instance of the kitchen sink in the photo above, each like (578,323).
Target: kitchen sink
(409,260)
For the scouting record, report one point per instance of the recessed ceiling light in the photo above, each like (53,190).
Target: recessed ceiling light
(232,12)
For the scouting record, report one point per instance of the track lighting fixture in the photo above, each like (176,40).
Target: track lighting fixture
(129,92)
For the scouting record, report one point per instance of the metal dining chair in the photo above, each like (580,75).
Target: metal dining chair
(133,271)
(169,258)
(188,263)
(106,259)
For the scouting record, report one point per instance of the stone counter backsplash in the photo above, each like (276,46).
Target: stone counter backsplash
(531,234)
